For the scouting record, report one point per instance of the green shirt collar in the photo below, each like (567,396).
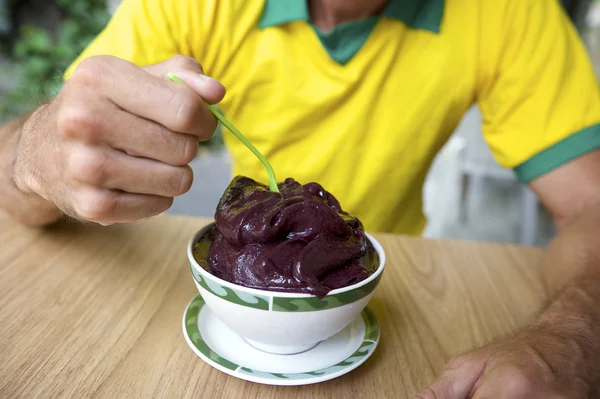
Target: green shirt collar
(416,14)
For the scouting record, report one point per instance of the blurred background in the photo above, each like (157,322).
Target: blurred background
(467,194)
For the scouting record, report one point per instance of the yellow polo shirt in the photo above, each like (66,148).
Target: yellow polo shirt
(363,109)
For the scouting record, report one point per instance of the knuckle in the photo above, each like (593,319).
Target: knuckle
(185,182)
(165,204)
(179,181)
(476,357)
(455,362)
(88,167)
(443,387)
(76,122)
(90,69)
(96,206)
(187,106)
(156,206)
(427,394)
(183,61)
(517,383)
(211,128)
(190,149)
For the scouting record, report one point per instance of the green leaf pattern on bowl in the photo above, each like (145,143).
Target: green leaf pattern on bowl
(284,304)
(235,296)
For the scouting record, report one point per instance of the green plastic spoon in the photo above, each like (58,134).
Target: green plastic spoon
(240,136)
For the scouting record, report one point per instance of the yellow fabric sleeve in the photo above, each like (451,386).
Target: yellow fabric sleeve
(537,92)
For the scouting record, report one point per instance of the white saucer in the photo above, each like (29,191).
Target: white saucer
(223,349)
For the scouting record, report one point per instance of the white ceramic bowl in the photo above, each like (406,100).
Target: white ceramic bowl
(277,322)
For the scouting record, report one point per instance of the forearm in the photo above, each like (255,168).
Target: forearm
(569,333)
(28,208)
(572,272)
(575,253)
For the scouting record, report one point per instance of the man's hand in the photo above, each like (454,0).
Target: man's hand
(559,355)
(538,363)
(115,144)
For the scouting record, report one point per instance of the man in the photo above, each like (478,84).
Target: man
(357,95)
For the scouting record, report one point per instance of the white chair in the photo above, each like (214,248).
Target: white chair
(477,163)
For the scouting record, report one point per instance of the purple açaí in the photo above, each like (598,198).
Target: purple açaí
(297,240)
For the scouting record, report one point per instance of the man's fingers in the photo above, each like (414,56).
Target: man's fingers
(109,206)
(451,384)
(459,378)
(115,170)
(174,64)
(143,138)
(87,122)
(509,381)
(177,107)
(208,88)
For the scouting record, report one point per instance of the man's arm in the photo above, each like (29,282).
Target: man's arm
(103,150)
(571,264)
(572,194)
(29,209)
(558,356)
(538,94)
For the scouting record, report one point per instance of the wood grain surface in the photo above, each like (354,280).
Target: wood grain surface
(88,311)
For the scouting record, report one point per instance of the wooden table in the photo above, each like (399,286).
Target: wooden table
(87,311)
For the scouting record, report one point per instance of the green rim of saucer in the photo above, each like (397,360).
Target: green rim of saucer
(365,349)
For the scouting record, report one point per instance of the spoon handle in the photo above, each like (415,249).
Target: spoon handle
(241,137)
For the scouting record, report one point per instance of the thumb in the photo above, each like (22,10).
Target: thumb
(459,379)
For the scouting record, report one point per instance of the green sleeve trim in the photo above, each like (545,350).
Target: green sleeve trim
(576,145)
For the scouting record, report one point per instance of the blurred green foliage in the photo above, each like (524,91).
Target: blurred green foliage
(39,59)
